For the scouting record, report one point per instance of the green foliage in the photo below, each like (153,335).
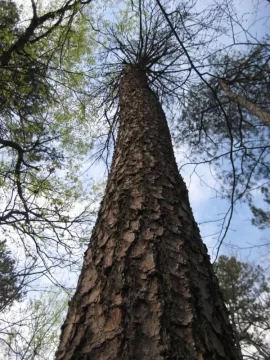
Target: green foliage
(10,288)
(262,216)
(46,131)
(34,330)
(9,18)
(246,294)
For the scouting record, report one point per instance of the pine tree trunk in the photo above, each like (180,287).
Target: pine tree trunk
(147,290)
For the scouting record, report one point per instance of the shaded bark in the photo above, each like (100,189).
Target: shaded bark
(147,289)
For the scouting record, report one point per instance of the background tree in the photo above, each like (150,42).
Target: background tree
(10,286)
(34,331)
(223,120)
(247,296)
(41,133)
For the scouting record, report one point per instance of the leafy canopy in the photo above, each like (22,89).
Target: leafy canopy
(46,131)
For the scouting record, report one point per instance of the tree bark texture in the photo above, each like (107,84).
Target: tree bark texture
(147,290)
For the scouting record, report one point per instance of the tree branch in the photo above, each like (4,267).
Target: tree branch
(254,109)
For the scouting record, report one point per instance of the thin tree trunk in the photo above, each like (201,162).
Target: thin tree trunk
(147,290)
(254,109)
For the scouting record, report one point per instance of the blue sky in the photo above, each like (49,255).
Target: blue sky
(206,206)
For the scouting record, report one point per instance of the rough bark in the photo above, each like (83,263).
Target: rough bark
(253,108)
(147,289)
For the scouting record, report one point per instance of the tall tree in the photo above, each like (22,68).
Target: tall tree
(247,296)
(147,289)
